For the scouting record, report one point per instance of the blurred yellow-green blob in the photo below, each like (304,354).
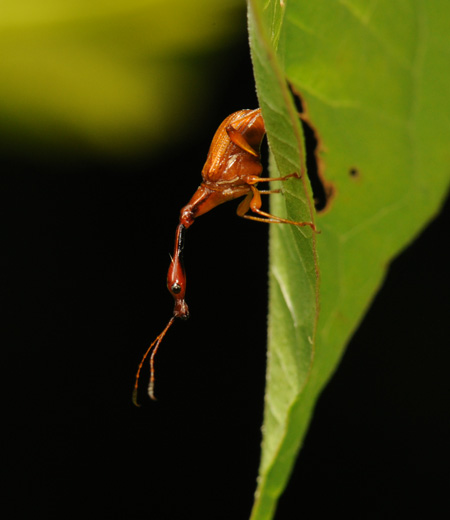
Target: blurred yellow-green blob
(112,75)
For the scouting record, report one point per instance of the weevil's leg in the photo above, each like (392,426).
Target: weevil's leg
(269,192)
(253,202)
(254,179)
(239,140)
(244,206)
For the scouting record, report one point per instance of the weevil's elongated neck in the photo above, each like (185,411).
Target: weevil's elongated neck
(176,277)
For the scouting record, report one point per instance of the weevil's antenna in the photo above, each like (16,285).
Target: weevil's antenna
(151,384)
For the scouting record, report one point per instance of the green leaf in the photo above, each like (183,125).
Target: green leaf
(372,77)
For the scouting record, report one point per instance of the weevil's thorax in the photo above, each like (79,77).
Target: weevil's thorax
(226,161)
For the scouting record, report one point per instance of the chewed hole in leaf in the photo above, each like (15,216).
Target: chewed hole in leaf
(322,191)
(319,192)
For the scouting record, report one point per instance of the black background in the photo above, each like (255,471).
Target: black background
(86,250)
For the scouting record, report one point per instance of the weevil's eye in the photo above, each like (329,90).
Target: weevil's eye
(176,288)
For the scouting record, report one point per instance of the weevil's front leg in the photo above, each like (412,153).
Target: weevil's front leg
(253,202)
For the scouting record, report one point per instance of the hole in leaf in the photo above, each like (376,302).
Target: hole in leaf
(319,193)
(322,190)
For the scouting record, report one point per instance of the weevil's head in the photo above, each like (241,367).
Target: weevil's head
(176,283)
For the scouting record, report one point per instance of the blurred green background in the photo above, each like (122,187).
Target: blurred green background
(114,76)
